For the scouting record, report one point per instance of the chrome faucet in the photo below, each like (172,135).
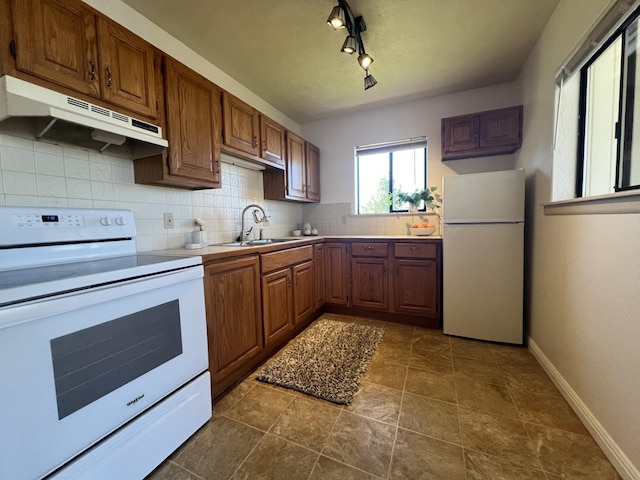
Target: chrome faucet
(256,208)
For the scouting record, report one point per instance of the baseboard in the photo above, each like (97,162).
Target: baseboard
(616,456)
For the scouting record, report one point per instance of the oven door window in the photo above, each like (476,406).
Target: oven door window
(91,363)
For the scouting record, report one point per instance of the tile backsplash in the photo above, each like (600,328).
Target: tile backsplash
(338,219)
(35,173)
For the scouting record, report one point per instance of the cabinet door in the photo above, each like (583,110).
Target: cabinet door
(501,127)
(319,274)
(460,134)
(234,320)
(193,124)
(272,145)
(337,278)
(295,167)
(127,69)
(56,41)
(312,154)
(240,124)
(303,297)
(370,283)
(277,305)
(417,287)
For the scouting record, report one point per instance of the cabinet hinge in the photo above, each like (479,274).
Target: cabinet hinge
(12,48)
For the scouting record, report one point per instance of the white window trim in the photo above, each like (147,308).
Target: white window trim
(611,203)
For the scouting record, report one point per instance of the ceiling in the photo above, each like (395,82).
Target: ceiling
(285,52)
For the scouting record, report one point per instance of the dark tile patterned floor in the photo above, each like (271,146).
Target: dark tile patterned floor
(429,407)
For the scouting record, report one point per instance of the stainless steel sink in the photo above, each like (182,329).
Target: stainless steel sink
(255,243)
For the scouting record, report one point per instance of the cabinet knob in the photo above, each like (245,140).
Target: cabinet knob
(109,77)
(414,248)
(369,247)
(93,69)
(255,142)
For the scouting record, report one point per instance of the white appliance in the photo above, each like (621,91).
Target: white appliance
(103,352)
(483,255)
(32,110)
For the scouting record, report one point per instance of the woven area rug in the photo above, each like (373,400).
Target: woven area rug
(327,361)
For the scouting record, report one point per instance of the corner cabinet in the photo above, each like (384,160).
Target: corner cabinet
(494,132)
(68,44)
(300,180)
(193,131)
(234,319)
(287,291)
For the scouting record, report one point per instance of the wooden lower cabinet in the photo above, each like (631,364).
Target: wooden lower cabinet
(234,318)
(303,294)
(319,275)
(416,287)
(277,305)
(370,283)
(336,273)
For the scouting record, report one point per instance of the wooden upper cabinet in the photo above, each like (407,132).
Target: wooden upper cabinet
(295,167)
(241,125)
(56,41)
(501,128)
(193,124)
(494,132)
(68,44)
(127,69)
(272,140)
(312,154)
(460,134)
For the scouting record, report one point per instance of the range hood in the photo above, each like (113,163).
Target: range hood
(37,112)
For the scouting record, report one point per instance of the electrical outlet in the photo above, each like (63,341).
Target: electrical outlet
(168,221)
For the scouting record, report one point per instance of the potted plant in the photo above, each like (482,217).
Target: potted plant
(426,195)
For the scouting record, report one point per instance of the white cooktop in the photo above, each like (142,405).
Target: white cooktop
(49,250)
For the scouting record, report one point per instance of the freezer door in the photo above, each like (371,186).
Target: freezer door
(483,281)
(484,197)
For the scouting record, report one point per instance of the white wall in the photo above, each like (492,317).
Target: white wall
(337,137)
(582,270)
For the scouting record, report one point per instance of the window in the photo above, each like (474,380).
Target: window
(384,170)
(609,115)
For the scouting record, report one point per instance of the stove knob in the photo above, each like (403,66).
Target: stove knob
(106,221)
(120,221)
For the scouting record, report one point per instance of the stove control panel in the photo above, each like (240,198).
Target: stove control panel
(49,225)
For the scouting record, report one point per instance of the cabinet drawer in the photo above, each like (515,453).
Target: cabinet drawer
(285,258)
(416,250)
(361,249)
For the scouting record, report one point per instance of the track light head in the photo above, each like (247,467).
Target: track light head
(369,81)
(337,18)
(349,45)
(365,60)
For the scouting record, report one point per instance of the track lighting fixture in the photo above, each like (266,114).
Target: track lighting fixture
(369,81)
(337,18)
(349,46)
(342,17)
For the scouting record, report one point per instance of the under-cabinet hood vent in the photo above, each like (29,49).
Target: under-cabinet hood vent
(28,109)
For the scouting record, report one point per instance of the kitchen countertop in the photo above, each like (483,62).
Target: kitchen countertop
(218,252)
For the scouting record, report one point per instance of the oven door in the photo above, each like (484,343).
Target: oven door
(77,366)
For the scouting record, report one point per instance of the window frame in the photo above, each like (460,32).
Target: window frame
(390,148)
(613,36)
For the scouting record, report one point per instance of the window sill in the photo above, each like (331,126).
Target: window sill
(612,203)
(391,214)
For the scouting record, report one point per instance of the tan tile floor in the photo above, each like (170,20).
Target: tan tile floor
(429,407)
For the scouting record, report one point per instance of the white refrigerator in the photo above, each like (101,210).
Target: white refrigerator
(483,255)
